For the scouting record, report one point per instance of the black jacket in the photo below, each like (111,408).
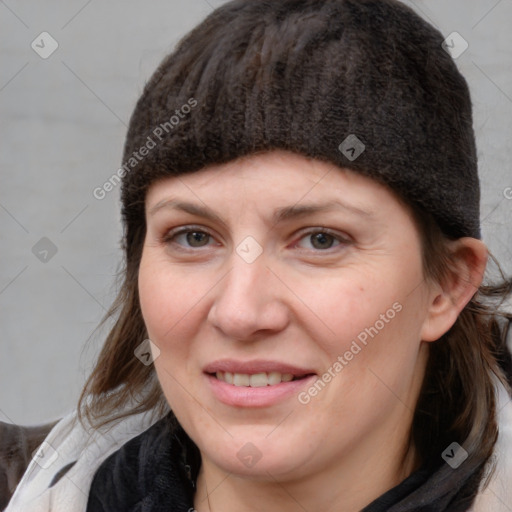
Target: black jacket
(157,470)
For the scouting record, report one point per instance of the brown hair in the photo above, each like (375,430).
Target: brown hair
(377,70)
(457,401)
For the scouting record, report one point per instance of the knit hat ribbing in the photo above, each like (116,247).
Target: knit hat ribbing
(304,75)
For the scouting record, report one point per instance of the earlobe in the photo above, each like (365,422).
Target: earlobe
(468,259)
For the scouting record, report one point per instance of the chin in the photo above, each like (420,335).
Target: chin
(256,455)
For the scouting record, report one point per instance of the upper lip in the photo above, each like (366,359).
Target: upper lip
(255,366)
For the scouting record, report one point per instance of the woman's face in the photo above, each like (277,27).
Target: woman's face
(276,267)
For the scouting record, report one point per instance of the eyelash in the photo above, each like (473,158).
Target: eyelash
(342,241)
(169,238)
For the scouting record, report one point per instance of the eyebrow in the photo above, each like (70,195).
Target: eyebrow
(280,214)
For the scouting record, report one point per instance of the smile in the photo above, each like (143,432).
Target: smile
(256,380)
(256,383)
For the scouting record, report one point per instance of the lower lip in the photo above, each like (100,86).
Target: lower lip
(265,396)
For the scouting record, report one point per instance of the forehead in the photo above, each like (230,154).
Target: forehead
(279,176)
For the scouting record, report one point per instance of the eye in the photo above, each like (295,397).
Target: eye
(188,237)
(321,240)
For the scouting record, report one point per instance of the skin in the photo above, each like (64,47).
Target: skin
(303,303)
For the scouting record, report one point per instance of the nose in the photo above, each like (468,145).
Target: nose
(249,302)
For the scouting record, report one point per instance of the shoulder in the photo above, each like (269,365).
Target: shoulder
(496,496)
(17,443)
(147,473)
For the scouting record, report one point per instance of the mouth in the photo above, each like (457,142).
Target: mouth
(257,383)
(256,380)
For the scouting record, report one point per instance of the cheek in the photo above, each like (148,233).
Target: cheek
(170,300)
(372,317)
(339,309)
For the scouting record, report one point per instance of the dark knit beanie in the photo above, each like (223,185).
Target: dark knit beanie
(362,84)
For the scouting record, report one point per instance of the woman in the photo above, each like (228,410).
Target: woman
(302,323)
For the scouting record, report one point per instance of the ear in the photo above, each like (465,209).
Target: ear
(468,259)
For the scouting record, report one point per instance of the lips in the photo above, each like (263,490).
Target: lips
(257,373)
(257,383)
(255,380)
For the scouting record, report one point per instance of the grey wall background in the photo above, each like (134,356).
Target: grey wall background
(61,136)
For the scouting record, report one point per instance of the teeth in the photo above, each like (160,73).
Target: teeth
(256,380)
(241,379)
(274,378)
